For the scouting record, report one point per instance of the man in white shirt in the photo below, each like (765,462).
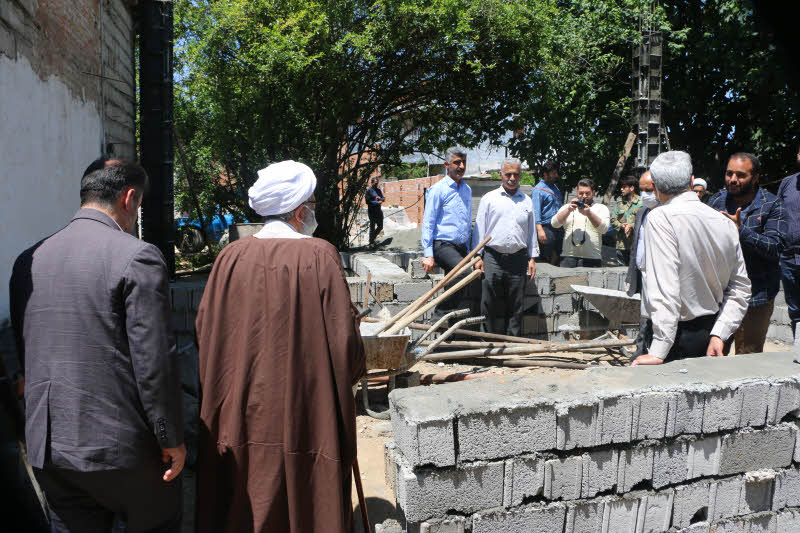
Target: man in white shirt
(695,285)
(506,214)
(584,224)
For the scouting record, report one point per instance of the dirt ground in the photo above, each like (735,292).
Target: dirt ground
(372,433)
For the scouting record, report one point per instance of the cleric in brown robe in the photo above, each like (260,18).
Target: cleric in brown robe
(279,353)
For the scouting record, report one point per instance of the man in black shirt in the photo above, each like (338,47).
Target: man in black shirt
(374,198)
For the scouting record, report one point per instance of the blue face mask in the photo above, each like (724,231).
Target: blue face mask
(649,199)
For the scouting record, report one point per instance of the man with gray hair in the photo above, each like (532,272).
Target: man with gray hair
(447,223)
(508,261)
(695,284)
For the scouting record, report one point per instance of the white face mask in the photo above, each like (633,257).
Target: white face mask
(649,199)
(309,223)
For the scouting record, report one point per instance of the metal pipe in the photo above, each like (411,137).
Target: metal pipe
(468,259)
(410,317)
(525,350)
(453,314)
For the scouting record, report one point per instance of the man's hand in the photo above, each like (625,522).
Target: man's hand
(479,265)
(428,264)
(627,229)
(178,457)
(531,268)
(715,345)
(573,205)
(647,359)
(541,235)
(736,217)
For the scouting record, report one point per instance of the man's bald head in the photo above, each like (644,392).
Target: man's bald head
(646,182)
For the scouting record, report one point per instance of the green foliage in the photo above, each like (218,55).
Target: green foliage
(345,85)
(406,171)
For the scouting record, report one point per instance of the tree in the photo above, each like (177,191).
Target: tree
(345,85)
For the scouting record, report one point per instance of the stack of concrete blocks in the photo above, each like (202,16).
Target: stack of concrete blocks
(700,445)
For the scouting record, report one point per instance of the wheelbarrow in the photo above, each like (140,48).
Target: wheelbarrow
(395,354)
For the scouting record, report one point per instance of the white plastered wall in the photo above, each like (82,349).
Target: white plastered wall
(47,138)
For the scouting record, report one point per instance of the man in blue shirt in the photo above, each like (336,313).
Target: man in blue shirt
(547,200)
(447,222)
(761,219)
(374,198)
(789,193)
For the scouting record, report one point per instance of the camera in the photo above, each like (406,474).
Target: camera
(583,203)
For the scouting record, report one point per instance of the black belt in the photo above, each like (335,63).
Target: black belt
(510,254)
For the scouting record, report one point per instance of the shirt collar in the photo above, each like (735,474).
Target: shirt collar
(687,196)
(452,183)
(503,191)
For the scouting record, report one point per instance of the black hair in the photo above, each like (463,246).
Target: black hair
(630,181)
(97,164)
(106,184)
(549,166)
(586,182)
(753,160)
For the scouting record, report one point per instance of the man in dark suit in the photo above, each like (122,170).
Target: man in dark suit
(91,315)
(633,278)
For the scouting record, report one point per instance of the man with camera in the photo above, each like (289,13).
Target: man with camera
(584,224)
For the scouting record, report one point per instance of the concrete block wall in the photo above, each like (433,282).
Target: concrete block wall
(707,444)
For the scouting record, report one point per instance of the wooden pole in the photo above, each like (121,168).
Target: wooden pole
(469,333)
(362,502)
(524,350)
(410,317)
(449,276)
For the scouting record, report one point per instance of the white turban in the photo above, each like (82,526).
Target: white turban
(282,188)
(700,181)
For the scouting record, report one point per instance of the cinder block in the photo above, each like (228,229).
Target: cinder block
(563,303)
(576,428)
(455,524)
(691,503)
(415,269)
(431,493)
(585,517)
(563,478)
(426,443)
(524,478)
(506,433)
(596,278)
(534,324)
(544,285)
(755,400)
(356,286)
(564,285)
(545,305)
(704,457)
(787,489)
(599,472)
(389,525)
(650,416)
(757,523)
(784,398)
(635,466)
(756,494)
(382,290)
(780,316)
(535,518)
(655,512)
(611,279)
(615,420)
(688,413)
(780,333)
(670,463)
(722,410)
(749,450)
(724,497)
(620,515)
(410,292)
(699,527)
(788,520)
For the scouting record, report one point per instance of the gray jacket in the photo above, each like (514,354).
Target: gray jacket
(91,314)
(633,277)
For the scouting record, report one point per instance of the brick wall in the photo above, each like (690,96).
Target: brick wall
(709,444)
(408,194)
